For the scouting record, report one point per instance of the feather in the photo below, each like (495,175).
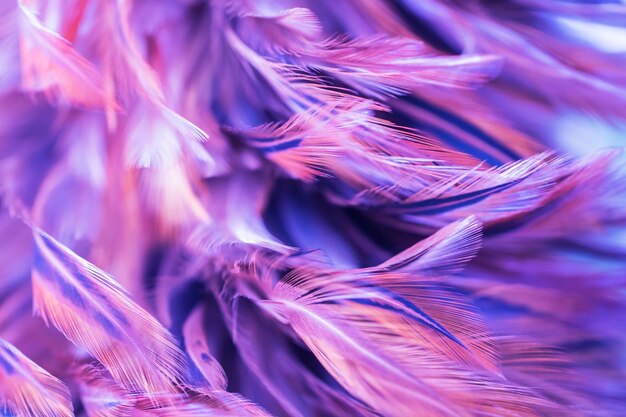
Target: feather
(291,30)
(200,353)
(345,354)
(384,66)
(26,389)
(128,76)
(71,191)
(357,348)
(126,73)
(156,136)
(298,390)
(50,65)
(169,196)
(243,223)
(395,299)
(312,142)
(526,185)
(94,312)
(100,395)
(446,251)
(220,404)
(157,140)
(361,371)
(296,88)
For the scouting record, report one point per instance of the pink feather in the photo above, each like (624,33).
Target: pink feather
(50,65)
(91,309)
(26,389)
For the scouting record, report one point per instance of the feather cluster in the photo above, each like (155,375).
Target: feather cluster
(312,208)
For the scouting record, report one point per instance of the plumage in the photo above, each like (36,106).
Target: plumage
(299,208)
